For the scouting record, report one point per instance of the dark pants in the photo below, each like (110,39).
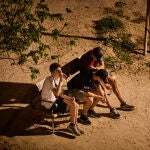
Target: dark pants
(59,106)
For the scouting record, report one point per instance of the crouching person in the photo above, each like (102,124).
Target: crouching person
(81,87)
(53,94)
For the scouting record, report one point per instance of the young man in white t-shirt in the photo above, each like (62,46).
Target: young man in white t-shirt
(53,93)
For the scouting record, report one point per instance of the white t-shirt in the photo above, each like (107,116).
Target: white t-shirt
(47,93)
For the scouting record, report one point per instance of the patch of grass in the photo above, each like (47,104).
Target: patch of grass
(108,24)
(120,4)
(125,56)
(122,46)
(117,12)
(127,43)
(120,13)
(108,10)
(139,19)
(113,33)
(110,62)
(73,43)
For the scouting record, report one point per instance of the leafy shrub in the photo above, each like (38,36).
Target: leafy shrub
(110,62)
(20,26)
(120,4)
(108,24)
(125,56)
(73,43)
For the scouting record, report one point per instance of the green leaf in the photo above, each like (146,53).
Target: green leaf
(73,43)
(54,57)
(55,34)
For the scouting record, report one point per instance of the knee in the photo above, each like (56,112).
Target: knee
(112,80)
(75,105)
(90,100)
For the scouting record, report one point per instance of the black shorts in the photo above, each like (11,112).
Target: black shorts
(59,106)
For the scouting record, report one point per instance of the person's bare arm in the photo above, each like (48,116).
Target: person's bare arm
(90,94)
(58,90)
(100,65)
(66,96)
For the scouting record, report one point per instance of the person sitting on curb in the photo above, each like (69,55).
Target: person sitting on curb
(53,94)
(93,59)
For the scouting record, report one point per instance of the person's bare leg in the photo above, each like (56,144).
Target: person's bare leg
(73,107)
(100,91)
(114,85)
(87,104)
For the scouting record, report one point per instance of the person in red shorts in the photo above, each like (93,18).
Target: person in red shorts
(92,60)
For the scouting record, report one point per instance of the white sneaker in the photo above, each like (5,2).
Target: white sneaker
(74,130)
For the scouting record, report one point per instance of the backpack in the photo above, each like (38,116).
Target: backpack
(81,82)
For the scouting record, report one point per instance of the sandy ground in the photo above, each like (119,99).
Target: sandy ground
(23,128)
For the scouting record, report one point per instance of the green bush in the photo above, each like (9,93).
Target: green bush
(22,23)
(125,56)
(108,24)
(120,4)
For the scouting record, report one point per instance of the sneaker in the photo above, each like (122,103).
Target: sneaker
(93,114)
(74,130)
(84,120)
(114,113)
(81,131)
(125,106)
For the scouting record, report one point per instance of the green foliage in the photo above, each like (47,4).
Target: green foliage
(119,13)
(73,43)
(22,23)
(139,19)
(125,56)
(55,34)
(34,72)
(108,24)
(54,57)
(118,39)
(120,4)
(110,62)
(122,46)
(108,10)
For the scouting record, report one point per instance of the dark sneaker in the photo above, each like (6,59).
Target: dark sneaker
(74,130)
(93,114)
(114,113)
(84,120)
(125,106)
(81,131)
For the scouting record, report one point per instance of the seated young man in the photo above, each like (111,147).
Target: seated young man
(93,59)
(52,92)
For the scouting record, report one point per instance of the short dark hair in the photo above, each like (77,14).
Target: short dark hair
(54,66)
(98,53)
(103,74)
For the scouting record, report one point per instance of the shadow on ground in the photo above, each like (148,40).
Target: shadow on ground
(17,116)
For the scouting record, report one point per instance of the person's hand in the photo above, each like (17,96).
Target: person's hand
(72,98)
(60,75)
(104,100)
(108,86)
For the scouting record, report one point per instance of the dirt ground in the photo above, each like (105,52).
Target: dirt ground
(22,128)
